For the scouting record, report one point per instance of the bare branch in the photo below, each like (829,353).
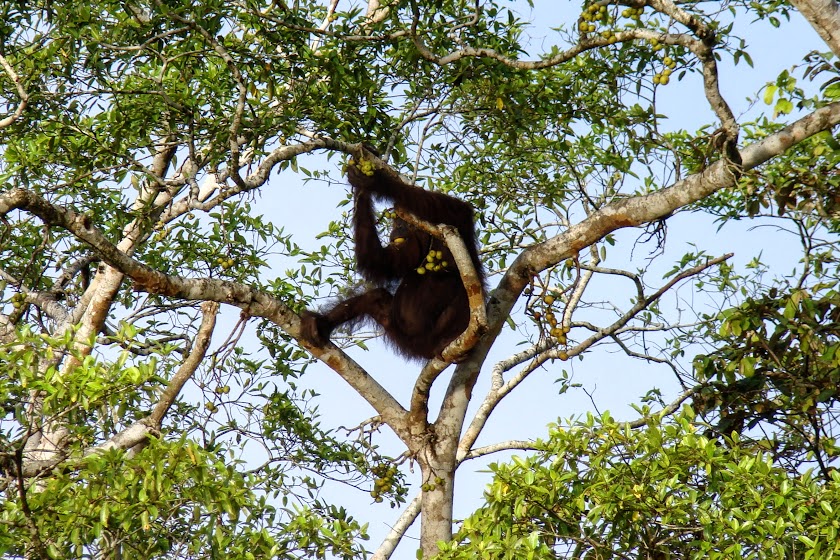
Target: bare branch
(328,18)
(24,96)
(521,445)
(202,342)
(670,409)
(640,305)
(70,272)
(545,350)
(399,529)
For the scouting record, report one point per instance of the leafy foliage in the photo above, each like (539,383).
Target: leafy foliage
(599,489)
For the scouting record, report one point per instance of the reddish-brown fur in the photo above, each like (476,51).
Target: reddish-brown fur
(420,313)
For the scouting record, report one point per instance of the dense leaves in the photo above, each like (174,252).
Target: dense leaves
(598,489)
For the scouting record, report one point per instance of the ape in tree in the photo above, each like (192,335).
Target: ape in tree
(418,298)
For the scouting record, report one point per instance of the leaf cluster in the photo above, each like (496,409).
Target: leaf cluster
(599,489)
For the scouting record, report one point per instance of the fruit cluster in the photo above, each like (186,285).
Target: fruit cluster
(385,474)
(593,13)
(429,486)
(365,166)
(632,13)
(662,78)
(225,263)
(559,332)
(434,262)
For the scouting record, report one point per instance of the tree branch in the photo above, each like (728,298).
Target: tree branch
(188,368)
(824,17)
(247,298)
(398,530)
(635,211)
(24,96)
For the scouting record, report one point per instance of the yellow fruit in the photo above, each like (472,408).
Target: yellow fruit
(549,299)
(563,355)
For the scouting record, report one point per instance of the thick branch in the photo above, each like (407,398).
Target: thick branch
(283,153)
(459,347)
(247,298)
(635,211)
(824,17)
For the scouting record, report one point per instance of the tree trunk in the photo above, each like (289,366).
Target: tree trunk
(436,520)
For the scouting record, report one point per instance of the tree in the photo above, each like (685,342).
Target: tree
(138,135)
